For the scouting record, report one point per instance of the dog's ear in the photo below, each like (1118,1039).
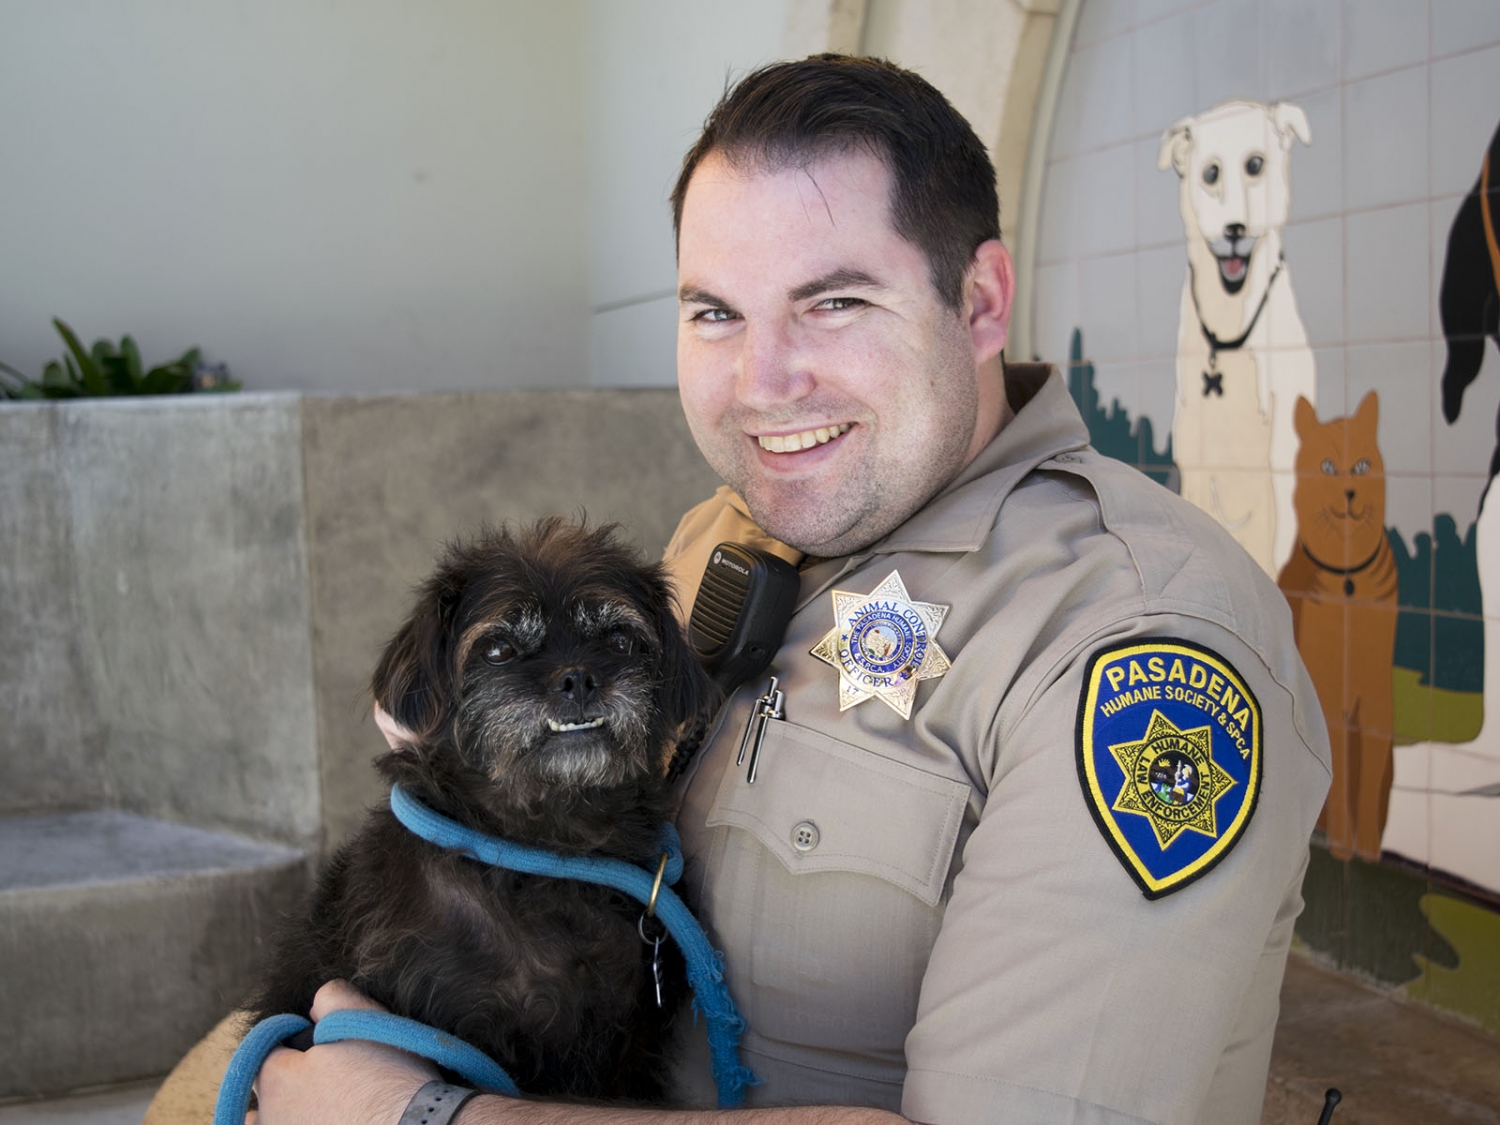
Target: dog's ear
(1176,144)
(413,681)
(1291,124)
(397,737)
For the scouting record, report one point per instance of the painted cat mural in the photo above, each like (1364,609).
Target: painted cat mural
(1342,585)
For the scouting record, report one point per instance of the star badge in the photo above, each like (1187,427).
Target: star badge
(883,644)
(1171,779)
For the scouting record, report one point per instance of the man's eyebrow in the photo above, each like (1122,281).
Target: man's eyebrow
(844,278)
(692,295)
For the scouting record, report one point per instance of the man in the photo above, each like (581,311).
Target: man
(950,891)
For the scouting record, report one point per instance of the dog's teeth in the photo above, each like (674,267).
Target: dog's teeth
(563,727)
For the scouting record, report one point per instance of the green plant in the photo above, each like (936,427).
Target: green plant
(108,370)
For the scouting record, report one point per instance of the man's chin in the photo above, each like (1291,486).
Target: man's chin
(808,522)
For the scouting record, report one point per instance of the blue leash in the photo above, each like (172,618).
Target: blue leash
(705,971)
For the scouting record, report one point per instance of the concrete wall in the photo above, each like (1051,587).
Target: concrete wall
(156,613)
(193,591)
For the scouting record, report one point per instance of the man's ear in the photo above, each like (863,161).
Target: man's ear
(990,287)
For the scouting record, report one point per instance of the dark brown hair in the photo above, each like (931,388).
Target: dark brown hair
(943,198)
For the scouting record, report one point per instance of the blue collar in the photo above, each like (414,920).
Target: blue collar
(705,965)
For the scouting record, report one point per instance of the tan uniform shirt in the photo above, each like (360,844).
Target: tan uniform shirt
(922,914)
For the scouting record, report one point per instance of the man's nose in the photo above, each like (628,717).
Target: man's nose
(770,370)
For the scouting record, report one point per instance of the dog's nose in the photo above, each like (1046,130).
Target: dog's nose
(577,685)
(1234,230)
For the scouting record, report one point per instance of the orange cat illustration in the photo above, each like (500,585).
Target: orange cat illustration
(1341,583)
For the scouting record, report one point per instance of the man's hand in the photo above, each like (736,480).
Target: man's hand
(353,1081)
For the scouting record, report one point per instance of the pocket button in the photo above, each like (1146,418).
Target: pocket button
(805,836)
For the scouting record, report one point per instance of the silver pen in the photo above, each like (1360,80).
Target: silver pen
(769,710)
(752,724)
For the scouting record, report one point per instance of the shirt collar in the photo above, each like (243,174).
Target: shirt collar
(959,518)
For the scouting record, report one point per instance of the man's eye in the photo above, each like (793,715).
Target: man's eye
(500,652)
(621,642)
(713,316)
(839,304)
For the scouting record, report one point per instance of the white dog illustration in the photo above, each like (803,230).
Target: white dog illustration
(1242,354)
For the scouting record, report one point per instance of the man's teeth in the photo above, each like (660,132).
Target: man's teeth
(563,727)
(792,443)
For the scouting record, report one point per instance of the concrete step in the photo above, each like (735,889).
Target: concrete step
(123,940)
(119,1105)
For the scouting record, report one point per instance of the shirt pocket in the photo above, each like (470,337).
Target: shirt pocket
(821,805)
(828,893)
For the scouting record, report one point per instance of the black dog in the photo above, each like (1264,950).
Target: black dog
(544,678)
(1469,301)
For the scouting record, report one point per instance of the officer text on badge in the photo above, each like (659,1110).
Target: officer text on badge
(883,643)
(1169,755)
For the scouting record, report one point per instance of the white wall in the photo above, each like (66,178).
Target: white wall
(326,195)
(366,195)
(655,70)
(372,195)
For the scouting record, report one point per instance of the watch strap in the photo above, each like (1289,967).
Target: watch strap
(436,1103)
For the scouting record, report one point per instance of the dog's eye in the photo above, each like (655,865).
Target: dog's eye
(1211,174)
(1328,468)
(1361,467)
(499,652)
(620,641)
(1254,165)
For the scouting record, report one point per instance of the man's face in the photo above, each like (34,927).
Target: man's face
(821,375)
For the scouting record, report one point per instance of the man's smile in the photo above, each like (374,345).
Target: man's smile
(806,439)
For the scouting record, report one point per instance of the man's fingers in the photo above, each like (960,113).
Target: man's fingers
(337,995)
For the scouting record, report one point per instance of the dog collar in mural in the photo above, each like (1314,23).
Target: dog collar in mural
(1169,754)
(883,643)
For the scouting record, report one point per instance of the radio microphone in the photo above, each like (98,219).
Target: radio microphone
(743,606)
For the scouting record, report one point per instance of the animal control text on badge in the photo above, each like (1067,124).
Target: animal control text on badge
(1242,352)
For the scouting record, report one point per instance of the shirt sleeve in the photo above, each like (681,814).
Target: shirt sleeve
(1057,991)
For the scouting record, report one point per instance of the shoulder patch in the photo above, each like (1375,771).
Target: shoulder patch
(1169,748)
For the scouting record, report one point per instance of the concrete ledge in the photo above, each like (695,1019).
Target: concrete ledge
(1396,1062)
(123,940)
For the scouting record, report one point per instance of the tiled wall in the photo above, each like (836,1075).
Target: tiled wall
(1401,99)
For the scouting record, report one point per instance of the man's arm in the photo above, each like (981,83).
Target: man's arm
(371,1084)
(1056,988)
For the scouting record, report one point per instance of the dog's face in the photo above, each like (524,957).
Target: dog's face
(546,659)
(1233,161)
